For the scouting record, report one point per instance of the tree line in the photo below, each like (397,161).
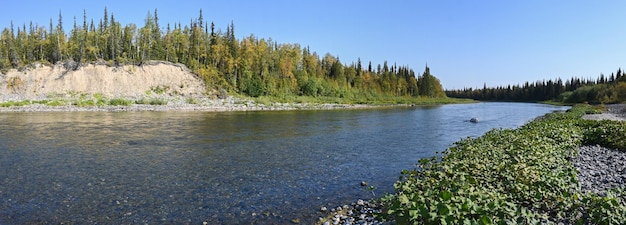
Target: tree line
(251,66)
(611,89)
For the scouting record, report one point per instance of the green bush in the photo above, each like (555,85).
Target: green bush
(158,101)
(611,134)
(142,101)
(14,103)
(119,101)
(192,101)
(154,101)
(255,87)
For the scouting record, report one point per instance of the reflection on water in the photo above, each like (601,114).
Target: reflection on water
(239,167)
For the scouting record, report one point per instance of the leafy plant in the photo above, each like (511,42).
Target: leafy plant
(607,133)
(519,176)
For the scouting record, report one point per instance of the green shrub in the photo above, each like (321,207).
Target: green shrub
(142,101)
(14,103)
(56,103)
(611,134)
(192,101)
(99,99)
(254,87)
(119,101)
(158,101)
(84,102)
(160,89)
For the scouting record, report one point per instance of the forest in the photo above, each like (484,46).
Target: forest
(603,90)
(251,66)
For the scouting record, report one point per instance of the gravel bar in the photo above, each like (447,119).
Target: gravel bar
(180,104)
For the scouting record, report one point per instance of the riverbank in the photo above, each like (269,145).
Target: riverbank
(156,86)
(74,102)
(167,103)
(524,177)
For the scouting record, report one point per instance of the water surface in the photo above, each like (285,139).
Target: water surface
(227,167)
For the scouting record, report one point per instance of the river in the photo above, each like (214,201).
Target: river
(222,168)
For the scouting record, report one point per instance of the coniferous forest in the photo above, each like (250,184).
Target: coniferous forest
(251,66)
(611,89)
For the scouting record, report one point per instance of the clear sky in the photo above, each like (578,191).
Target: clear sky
(465,43)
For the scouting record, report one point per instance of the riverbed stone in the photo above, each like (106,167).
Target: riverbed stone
(599,169)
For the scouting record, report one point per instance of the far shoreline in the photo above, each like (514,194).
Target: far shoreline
(203,105)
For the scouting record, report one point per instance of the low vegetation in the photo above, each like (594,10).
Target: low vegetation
(120,101)
(511,176)
(14,103)
(153,101)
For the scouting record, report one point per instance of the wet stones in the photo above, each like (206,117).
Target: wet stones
(359,212)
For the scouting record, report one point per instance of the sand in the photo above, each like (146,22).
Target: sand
(43,82)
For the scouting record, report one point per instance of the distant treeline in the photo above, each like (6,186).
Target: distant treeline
(604,89)
(251,66)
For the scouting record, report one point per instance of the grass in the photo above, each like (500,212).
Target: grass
(84,102)
(120,101)
(192,101)
(153,101)
(14,103)
(519,176)
(158,101)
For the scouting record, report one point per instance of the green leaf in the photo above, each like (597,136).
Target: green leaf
(484,220)
(445,195)
(403,199)
(413,213)
(443,209)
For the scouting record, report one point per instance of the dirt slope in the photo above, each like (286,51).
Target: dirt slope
(40,81)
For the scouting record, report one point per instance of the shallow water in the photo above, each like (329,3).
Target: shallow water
(228,168)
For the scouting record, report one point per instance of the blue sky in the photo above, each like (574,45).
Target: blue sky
(465,43)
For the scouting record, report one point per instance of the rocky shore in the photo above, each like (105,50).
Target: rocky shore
(360,212)
(601,169)
(173,103)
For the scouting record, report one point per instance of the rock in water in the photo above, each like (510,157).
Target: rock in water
(474,120)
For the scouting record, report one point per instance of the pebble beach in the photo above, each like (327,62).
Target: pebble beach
(176,103)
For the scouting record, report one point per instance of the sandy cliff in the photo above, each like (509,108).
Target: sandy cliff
(41,81)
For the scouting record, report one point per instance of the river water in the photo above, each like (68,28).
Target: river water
(222,168)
